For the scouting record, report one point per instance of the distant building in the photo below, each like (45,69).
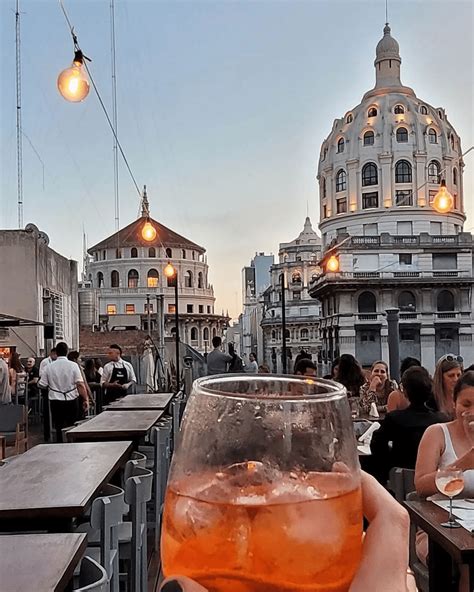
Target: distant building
(298,262)
(40,285)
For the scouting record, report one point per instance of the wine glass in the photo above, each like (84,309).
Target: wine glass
(264,488)
(450,482)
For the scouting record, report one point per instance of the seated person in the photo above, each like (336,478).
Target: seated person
(404,428)
(397,399)
(305,367)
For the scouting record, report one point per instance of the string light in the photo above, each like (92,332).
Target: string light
(148,231)
(443,201)
(332,264)
(169,271)
(73,83)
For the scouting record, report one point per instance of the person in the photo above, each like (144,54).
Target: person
(75,356)
(384,561)
(91,372)
(98,366)
(404,428)
(350,374)
(236,365)
(447,372)
(53,355)
(306,367)
(252,366)
(32,373)
(217,360)
(118,375)
(66,391)
(303,355)
(377,388)
(397,399)
(334,370)
(263,369)
(15,370)
(5,390)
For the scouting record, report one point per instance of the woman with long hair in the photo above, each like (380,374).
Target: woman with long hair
(397,400)
(377,388)
(350,374)
(448,370)
(14,369)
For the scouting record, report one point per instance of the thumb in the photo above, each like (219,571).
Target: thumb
(181,584)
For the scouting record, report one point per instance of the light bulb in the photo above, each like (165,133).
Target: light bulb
(72,82)
(148,231)
(332,264)
(443,201)
(169,271)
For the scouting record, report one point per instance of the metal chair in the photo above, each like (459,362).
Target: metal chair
(92,577)
(401,482)
(14,426)
(419,569)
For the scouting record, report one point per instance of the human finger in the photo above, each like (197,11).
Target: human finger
(181,584)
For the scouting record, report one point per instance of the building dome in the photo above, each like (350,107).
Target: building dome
(387,47)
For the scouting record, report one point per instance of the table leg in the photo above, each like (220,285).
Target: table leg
(440,569)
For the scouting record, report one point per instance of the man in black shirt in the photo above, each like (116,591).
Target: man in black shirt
(32,378)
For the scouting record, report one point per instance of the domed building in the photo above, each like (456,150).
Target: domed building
(380,170)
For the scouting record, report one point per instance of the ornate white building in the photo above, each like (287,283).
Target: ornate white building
(298,262)
(379,170)
(125,287)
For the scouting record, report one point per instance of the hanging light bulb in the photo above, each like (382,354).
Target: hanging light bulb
(332,264)
(72,82)
(169,271)
(443,201)
(148,231)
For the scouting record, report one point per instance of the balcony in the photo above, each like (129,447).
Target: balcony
(387,276)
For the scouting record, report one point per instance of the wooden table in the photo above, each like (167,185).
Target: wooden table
(39,562)
(51,484)
(116,425)
(445,545)
(149,401)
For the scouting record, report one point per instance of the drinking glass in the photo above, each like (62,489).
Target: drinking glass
(264,489)
(450,482)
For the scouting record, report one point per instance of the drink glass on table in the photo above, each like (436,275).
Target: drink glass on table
(264,488)
(450,482)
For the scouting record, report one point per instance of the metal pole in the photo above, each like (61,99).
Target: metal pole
(393,343)
(176,316)
(148,315)
(283,324)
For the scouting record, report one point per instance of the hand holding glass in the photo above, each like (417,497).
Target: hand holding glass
(450,482)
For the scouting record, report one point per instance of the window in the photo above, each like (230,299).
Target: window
(434,172)
(341,181)
(96,256)
(133,253)
(171,281)
(407,334)
(133,278)
(152,252)
(171,309)
(445,261)
(193,255)
(367,302)
(296,295)
(152,279)
(435,228)
(405,259)
(183,253)
(370,229)
(325,211)
(304,311)
(403,172)
(432,136)
(201,309)
(445,301)
(169,253)
(399,109)
(148,307)
(273,334)
(369,174)
(194,334)
(407,301)
(104,255)
(341,205)
(340,145)
(208,309)
(367,336)
(370,200)
(455,176)
(404,197)
(440,114)
(296,278)
(129,309)
(341,230)
(118,254)
(323,187)
(200,280)
(349,118)
(190,308)
(447,334)
(100,279)
(188,279)
(423,110)
(114,279)
(402,134)
(369,138)
(452,141)
(372,112)
(111,309)
(205,334)
(405,228)
(304,335)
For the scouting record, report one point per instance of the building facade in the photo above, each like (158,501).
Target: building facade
(379,171)
(298,263)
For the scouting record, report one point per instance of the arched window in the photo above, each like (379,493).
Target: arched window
(304,335)
(402,134)
(323,187)
(133,278)
(152,252)
(403,172)
(423,110)
(407,301)
(372,112)
(100,279)
(170,281)
(369,138)
(349,118)
(399,109)
(133,253)
(273,334)
(200,280)
(118,254)
(188,279)
(367,302)
(434,172)
(205,334)
(183,253)
(115,279)
(440,114)
(369,174)
(341,183)
(445,301)
(194,334)
(432,136)
(340,145)
(169,253)
(296,278)
(455,176)
(152,279)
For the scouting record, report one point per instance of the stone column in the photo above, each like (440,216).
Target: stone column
(428,346)
(386,197)
(353,193)
(419,177)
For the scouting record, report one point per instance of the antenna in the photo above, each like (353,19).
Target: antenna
(114,114)
(386,11)
(19,137)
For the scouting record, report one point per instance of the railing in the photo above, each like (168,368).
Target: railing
(367,316)
(406,240)
(365,240)
(446,315)
(358,275)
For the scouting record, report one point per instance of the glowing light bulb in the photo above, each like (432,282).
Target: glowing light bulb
(332,264)
(72,82)
(169,271)
(443,201)
(148,231)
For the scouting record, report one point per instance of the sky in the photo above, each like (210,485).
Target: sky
(222,108)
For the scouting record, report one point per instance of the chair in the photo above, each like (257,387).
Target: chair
(419,569)
(13,426)
(92,577)
(401,482)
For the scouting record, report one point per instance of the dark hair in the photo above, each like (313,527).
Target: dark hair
(350,374)
(231,349)
(97,363)
(90,370)
(216,341)
(303,364)
(15,362)
(443,400)
(334,363)
(73,355)
(408,363)
(469,369)
(253,354)
(53,350)
(115,346)
(417,385)
(62,349)
(466,380)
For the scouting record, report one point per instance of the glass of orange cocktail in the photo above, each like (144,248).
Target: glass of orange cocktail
(264,489)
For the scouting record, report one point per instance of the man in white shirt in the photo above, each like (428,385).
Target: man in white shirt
(66,390)
(118,375)
(47,361)
(252,366)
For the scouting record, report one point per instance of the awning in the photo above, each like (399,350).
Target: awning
(13,321)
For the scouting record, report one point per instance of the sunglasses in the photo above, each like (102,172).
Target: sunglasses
(451,358)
